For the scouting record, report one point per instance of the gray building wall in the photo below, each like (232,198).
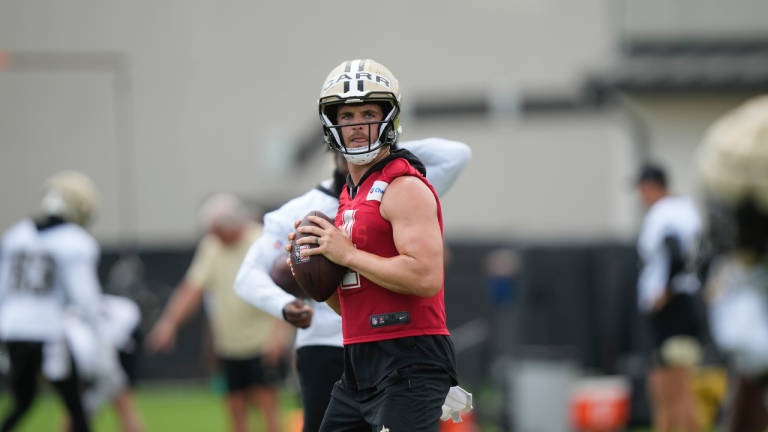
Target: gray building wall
(222,93)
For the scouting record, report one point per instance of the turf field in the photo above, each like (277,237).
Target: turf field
(186,409)
(193,409)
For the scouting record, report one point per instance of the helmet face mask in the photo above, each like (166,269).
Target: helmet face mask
(360,82)
(381,134)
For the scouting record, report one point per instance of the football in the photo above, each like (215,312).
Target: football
(316,274)
(283,277)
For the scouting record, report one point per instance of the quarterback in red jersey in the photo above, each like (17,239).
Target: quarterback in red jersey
(399,361)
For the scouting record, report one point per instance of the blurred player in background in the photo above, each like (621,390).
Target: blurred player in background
(399,362)
(666,286)
(98,360)
(47,265)
(320,353)
(733,165)
(248,342)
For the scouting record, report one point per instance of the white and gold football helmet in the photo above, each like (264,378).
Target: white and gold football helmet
(733,168)
(70,195)
(733,157)
(358,82)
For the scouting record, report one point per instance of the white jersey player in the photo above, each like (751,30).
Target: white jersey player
(319,344)
(45,267)
(665,295)
(97,356)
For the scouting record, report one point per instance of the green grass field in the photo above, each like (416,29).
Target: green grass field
(182,409)
(193,409)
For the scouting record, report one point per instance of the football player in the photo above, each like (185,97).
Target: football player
(665,287)
(399,361)
(733,166)
(46,265)
(320,358)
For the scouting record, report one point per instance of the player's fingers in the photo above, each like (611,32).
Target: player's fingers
(322,222)
(313,251)
(296,224)
(291,236)
(343,232)
(308,240)
(304,323)
(311,230)
(299,317)
(298,310)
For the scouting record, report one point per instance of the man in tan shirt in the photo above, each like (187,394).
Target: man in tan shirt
(248,341)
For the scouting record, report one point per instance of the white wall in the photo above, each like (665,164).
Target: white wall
(219,87)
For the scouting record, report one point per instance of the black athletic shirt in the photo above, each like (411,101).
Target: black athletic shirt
(367,364)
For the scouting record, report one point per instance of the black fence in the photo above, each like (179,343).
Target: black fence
(580,299)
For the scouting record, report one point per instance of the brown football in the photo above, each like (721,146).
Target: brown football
(316,274)
(282,276)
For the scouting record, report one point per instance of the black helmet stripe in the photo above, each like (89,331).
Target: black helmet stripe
(362,66)
(347,68)
(359,65)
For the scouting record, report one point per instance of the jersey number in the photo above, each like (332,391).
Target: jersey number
(33,273)
(351,278)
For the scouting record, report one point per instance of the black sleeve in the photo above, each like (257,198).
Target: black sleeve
(676,257)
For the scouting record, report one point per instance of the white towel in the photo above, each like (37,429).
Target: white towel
(457,400)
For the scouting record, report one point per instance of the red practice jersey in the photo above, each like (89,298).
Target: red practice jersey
(370,312)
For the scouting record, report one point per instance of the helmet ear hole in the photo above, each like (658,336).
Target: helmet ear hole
(332,111)
(386,107)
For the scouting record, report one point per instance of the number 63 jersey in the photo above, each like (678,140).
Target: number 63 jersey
(42,271)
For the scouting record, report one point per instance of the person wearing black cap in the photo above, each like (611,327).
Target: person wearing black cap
(665,287)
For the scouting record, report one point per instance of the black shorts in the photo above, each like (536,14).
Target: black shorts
(241,374)
(679,317)
(409,399)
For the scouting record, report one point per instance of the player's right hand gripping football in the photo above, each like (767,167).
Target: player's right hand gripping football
(332,242)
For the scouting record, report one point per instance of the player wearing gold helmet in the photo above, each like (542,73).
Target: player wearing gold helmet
(399,361)
(733,166)
(47,265)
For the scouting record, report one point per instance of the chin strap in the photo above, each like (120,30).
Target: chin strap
(362,159)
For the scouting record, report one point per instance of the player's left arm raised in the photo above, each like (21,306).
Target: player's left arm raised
(411,208)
